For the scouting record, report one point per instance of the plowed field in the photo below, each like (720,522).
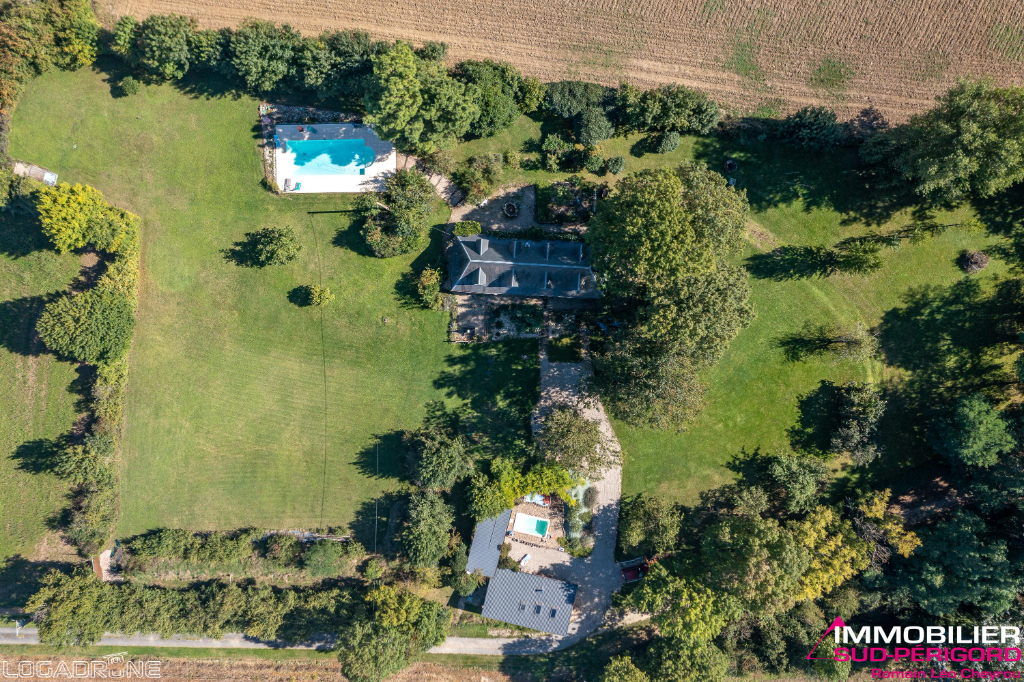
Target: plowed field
(776,54)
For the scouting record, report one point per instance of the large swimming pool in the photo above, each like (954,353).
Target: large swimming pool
(329,157)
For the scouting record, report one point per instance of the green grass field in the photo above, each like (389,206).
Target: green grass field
(37,394)
(245,409)
(755,392)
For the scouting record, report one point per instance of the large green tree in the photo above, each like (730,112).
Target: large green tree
(93,326)
(648,525)
(659,244)
(971,144)
(393,97)
(972,434)
(162,44)
(960,563)
(756,560)
(427,530)
(569,439)
(263,54)
(662,225)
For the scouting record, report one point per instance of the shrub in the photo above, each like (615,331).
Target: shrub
(282,549)
(479,175)
(325,558)
(162,44)
(433,51)
(812,129)
(122,42)
(668,142)
(67,214)
(273,246)
(590,497)
(514,159)
(466,228)
(75,30)
(320,296)
(595,163)
(616,164)
(555,149)
(972,261)
(263,54)
(94,326)
(129,86)
(593,127)
(396,219)
(568,99)
(429,288)
(442,162)
(503,93)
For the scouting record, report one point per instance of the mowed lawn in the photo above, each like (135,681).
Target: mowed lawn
(755,393)
(37,393)
(245,409)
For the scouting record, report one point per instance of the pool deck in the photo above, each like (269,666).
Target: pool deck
(385,164)
(554,516)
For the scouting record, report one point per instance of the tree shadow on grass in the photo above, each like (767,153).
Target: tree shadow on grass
(19,578)
(951,339)
(816,421)
(1003,215)
(775,174)
(383,457)
(20,231)
(811,341)
(370,526)
(500,382)
(39,456)
(791,262)
(18,324)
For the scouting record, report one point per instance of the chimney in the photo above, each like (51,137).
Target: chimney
(483,246)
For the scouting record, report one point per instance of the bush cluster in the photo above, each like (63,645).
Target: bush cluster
(94,326)
(395,220)
(77,609)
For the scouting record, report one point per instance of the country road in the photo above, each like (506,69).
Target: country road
(228,641)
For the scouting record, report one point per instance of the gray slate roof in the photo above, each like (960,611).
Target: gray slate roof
(486,548)
(479,265)
(530,600)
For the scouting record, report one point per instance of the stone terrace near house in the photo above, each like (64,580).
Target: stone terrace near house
(520,267)
(529,600)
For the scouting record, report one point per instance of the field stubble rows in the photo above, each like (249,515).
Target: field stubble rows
(743,52)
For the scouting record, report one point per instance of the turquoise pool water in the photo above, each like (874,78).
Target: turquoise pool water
(330,157)
(533,525)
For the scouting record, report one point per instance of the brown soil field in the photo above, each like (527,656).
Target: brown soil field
(261,670)
(775,55)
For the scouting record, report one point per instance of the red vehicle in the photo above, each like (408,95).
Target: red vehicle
(631,574)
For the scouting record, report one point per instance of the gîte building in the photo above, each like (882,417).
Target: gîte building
(519,267)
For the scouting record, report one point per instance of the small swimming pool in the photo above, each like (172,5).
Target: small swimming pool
(531,525)
(329,157)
